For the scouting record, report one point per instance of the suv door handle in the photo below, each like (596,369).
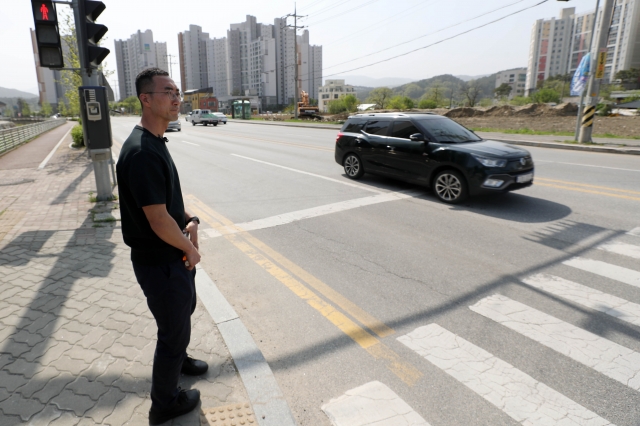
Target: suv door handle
(390,148)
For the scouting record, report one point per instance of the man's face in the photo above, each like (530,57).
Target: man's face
(164,102)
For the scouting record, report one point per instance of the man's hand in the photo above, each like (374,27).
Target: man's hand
(193,257)
(192,229)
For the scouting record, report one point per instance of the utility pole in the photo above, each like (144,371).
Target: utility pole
(170,64)
(295,44)
(597,72)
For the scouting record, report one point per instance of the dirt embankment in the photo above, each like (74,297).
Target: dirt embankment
(561,118)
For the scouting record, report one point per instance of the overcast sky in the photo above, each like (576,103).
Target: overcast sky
(346,29)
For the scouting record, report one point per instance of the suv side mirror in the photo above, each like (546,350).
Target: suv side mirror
(417,137)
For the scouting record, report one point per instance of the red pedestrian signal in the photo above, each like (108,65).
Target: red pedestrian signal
(47,34)
(44,11)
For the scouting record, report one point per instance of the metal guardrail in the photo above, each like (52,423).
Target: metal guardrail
(10,138)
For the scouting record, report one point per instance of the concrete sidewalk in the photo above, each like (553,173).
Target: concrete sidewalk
(76,335)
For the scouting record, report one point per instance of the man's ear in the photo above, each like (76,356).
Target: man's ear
(144,99)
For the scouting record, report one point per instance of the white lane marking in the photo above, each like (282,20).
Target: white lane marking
(190,143)
(53,151)
(604,269)
(371,404)
(514,392)
(587,296)
(589,165)
(635,231)
(365,188)
(624,249)
(285,218)
(606,357)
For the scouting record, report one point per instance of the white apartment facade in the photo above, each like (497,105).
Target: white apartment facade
(136,54)
(516,78)
(253,59)
(548,53)
(332,90)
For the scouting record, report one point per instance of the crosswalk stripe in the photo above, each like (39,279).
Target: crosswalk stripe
(609,358)
(604,269)
(635,231)
(587,296)
(371,404)
(624,249)
(514,392)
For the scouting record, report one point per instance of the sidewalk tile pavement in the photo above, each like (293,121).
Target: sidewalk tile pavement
(76,336)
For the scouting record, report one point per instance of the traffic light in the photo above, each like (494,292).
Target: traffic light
(47,34)
(92,33)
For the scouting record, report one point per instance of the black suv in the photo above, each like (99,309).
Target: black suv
(431,150)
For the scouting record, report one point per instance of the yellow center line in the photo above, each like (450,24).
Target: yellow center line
(588,191)
(588,186)
(405,371)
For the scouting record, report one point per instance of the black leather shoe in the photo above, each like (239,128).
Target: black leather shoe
(193,367)
(186,402)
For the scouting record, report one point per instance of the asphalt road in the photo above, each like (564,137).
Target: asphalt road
(506,307)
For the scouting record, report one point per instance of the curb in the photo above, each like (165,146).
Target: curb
(267,400)
(553,145)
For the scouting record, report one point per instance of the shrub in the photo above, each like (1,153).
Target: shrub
(77,135)
(427,104)
(401,103)
(544,96)
(520,100)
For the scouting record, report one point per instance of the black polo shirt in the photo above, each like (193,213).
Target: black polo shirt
(147,176)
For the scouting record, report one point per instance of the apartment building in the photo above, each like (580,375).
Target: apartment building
(253,59)
(134,55)
(332,90)
(550,48)
(549,55)
(516,78)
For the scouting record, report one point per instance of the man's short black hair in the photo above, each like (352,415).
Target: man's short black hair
(144,80)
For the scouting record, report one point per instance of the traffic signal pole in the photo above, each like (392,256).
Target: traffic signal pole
(596,73)
(102,158)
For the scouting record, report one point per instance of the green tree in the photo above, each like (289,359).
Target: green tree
(520,101)
(427,104)
(413,91)
(631,75)
(436,92)
(503,91)
(351,103)
(470,92)
(380,96)
(544,96)
(401,103)
(70,80)
(62,108)
(131,105)
(46,109)
(23,108)
(337,106)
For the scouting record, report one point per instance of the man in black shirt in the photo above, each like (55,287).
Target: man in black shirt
(163,257)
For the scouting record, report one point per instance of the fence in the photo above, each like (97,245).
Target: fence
(10,138)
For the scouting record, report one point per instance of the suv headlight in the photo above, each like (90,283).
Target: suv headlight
(490,162)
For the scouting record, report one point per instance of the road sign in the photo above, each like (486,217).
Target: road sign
(602,61)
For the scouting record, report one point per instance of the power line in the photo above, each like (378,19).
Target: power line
(437,42)
(428,34)
(342,13)
(386,21)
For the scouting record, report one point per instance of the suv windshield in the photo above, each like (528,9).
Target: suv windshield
(445,130)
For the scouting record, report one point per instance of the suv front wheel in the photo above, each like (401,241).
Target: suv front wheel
(450,187)
(353,166)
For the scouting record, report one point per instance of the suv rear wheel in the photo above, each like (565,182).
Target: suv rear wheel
(353,166)
(450,187)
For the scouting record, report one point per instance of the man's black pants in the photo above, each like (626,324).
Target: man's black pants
(170,290)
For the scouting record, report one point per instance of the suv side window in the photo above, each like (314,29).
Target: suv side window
(403,129)
(377,127)
(354,126)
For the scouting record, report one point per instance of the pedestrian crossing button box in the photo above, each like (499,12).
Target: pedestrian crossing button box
(94,107)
